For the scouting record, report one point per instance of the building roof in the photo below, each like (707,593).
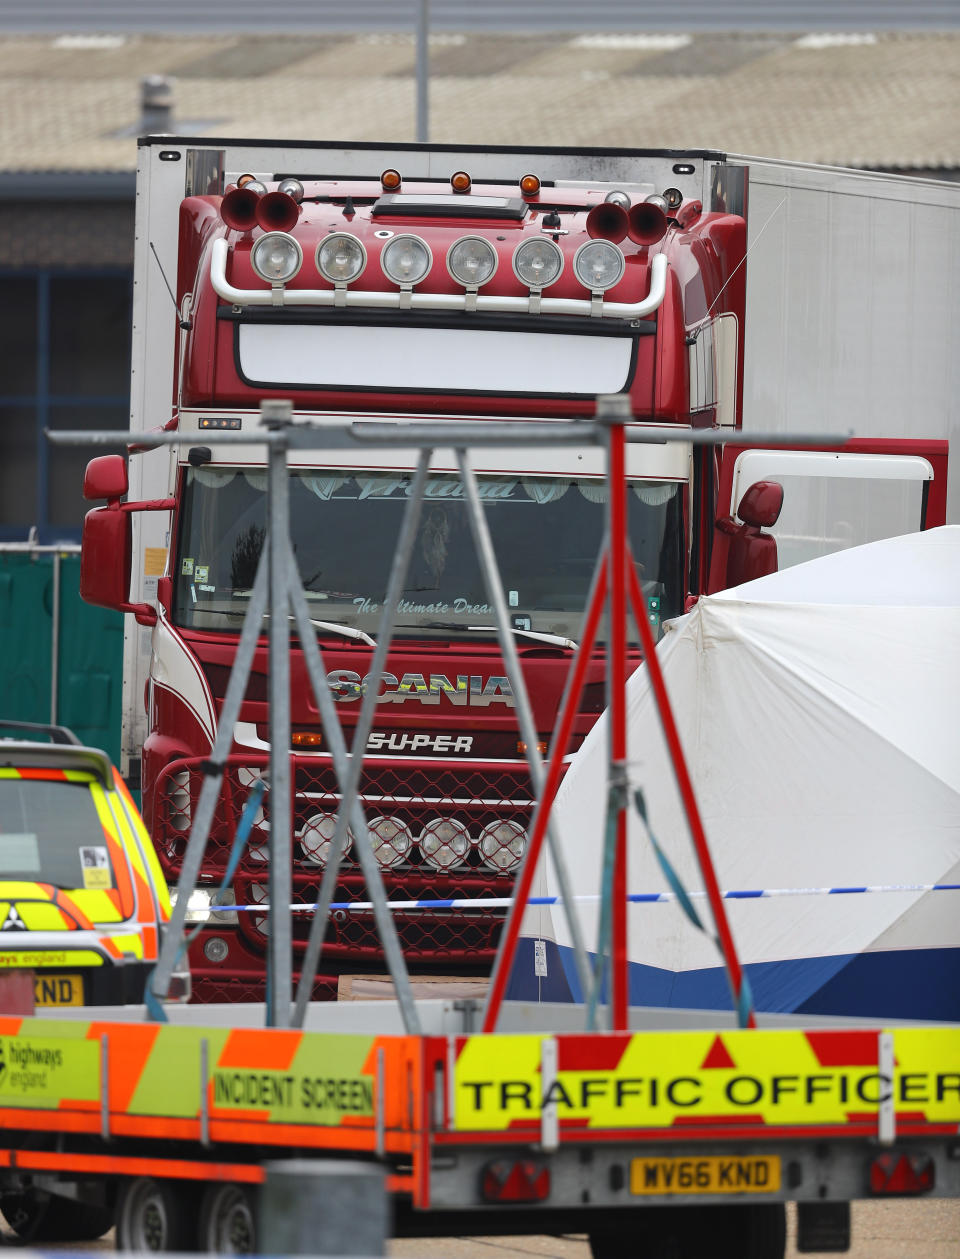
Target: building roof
(888,100)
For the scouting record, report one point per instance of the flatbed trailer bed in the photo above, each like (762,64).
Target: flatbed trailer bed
(520,1131)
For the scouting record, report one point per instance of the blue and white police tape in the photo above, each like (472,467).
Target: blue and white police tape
(644,898)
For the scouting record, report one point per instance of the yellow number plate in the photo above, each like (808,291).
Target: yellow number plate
(717,1173)
(58,990)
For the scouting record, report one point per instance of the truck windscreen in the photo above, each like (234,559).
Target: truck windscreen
(344,525)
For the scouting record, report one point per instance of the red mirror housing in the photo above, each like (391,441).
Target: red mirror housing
(106,551)
(106,477)
(740,551)
(761,504)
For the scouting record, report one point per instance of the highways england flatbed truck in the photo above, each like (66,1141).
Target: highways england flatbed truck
(674,1132)
(701,1132)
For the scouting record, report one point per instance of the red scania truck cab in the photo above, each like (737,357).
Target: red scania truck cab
(457,295)
(396,285)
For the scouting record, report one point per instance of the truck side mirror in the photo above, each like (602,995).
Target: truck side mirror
(106,477)
(106,545)
(761,504)
(740,551)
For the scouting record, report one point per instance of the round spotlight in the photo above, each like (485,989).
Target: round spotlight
(617,197)
(537,262)
(216,949)
(391,838)
(673,198)
(657,200)
(599,265)
(444,843)
(406,259)
(502,845)
(276,257)
(317,835)
(292,187)
(340,257)
(254,185)
(471,261)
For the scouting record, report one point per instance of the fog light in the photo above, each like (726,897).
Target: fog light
(276,257)
(391,839)
(216,949)
(444,843)
(340,258)
(317,836)
(537,262)
(599,265)
(406,259)
(471,261)
(502,845)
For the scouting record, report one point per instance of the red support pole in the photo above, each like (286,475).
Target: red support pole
(558,749)
(687,796)
(617,673)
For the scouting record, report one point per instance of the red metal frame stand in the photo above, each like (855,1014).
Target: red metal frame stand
(617,580)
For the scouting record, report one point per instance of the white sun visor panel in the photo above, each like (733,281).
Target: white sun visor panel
(447,360)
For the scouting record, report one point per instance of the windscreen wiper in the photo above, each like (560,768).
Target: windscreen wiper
(333,627)
(553,640)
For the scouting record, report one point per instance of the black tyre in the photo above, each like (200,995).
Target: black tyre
(744,1231)
(741,1231)
(766,1231)
(156,1215)
(35,1217)
(228,1220)
(649,1233)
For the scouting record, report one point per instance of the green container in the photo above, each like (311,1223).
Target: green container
(66,669)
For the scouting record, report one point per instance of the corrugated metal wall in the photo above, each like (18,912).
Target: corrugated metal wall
(230,16)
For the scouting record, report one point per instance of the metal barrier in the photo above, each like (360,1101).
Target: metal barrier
(277,587)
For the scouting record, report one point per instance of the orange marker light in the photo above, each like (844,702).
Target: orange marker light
(390,180)
(522,747)
(306,739)
(530,185)
(460,181)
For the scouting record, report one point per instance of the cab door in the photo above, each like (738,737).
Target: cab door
(834,497)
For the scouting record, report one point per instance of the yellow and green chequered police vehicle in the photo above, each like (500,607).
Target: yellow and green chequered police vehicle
(83,900)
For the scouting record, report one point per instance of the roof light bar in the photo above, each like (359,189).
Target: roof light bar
(220,252)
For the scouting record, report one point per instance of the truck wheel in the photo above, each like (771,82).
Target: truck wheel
(156,1215)
(227,1220)
(744,1231)
(36,1217)
(741,1231)
(765,1233)
(651,1233)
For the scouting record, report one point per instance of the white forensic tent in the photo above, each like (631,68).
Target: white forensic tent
(819,711)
